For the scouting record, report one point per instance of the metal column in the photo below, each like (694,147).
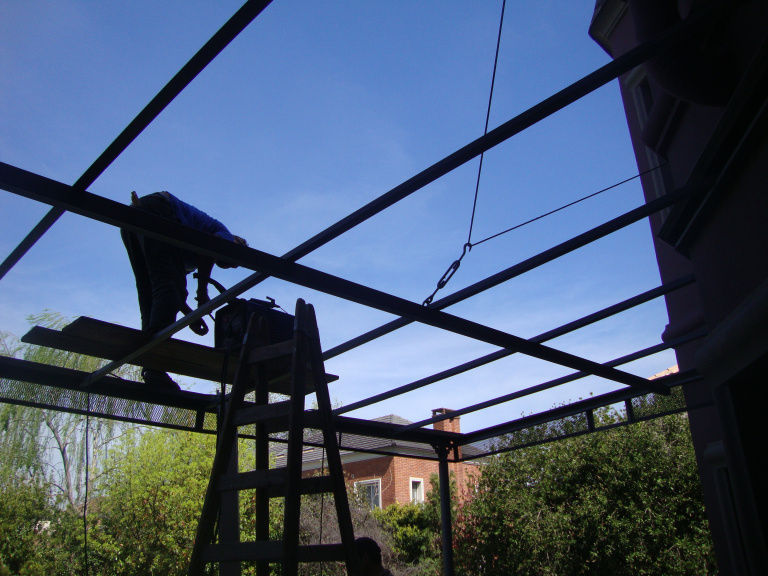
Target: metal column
(445,510)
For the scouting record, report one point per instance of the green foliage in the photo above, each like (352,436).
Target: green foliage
(411,530)
(24,509)
(152,497)
(624,501)
(414,531)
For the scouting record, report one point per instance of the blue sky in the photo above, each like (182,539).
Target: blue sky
(314,110)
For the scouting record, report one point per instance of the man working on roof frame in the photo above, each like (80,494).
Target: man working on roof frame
(161,270)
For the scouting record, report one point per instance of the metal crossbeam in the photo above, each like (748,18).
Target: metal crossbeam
(574,408)
(92,206)
(236,24)
(559,381)
(499,354)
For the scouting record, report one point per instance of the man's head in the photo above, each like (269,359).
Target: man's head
(369,554)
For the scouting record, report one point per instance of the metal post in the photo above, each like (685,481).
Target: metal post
(445,510)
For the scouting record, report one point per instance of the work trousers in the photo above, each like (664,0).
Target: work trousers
(161,278)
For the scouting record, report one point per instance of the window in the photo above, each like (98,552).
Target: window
(370,492)
(417,490)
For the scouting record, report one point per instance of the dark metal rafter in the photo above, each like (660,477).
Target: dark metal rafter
(499,354)
(572,409)
(92,206)
(559,381)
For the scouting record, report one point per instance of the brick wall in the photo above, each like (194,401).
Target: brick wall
(396,473)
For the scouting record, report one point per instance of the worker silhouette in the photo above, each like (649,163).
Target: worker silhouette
(161,270)
(369,558)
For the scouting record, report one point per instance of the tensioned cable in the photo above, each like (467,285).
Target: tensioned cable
(487,118)
(469,245)
(564,206)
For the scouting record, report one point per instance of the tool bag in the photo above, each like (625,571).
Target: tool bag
(231,323)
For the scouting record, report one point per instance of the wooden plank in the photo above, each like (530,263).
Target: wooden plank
(174,356)
(112,342)
(258,413)
(58,377)
(177,356)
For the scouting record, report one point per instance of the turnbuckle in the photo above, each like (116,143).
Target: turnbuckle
(448,274)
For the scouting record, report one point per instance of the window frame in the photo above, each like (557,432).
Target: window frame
(421,489)
(370,482)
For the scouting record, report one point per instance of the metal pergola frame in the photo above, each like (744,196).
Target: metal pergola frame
(656,397)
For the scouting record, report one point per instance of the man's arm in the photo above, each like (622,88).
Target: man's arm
(204,267)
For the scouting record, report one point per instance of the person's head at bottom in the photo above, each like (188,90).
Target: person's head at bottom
(369,556)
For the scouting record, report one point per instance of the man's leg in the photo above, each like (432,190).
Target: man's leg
(139,267)
(160,281)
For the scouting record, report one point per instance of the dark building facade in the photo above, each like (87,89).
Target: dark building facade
(698,111)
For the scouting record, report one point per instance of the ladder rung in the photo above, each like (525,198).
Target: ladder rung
(273,481)
(321,553)
(262,412)
(269,550)
(316,485)
(271,351)
(273,478)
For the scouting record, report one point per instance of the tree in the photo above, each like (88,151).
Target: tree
(50,445)
(623,501)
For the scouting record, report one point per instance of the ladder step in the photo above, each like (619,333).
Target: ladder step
(271,551)
(321,553)
(263,413)
(269,479)
(273,481)
(316,485)
(271,351)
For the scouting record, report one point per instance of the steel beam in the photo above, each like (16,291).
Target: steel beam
(105,210)
(574,408)
(498,355)
(236,24)
(651,350)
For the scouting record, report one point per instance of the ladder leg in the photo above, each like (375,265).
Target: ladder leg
(261,463)
(340,499)
(222,457)
(292,511)
(229,517)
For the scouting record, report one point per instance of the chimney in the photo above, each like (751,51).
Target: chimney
(447,425)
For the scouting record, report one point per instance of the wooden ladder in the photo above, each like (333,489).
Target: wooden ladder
(299,359)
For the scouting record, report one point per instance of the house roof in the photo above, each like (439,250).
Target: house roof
(350,444)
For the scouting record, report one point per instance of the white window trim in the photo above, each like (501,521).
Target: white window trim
(376,481)
(423,490)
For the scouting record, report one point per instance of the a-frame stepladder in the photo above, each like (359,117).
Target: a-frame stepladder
(301,358)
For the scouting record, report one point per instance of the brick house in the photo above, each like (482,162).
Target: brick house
(392,471)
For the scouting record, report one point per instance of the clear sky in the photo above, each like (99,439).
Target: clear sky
(314,110)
